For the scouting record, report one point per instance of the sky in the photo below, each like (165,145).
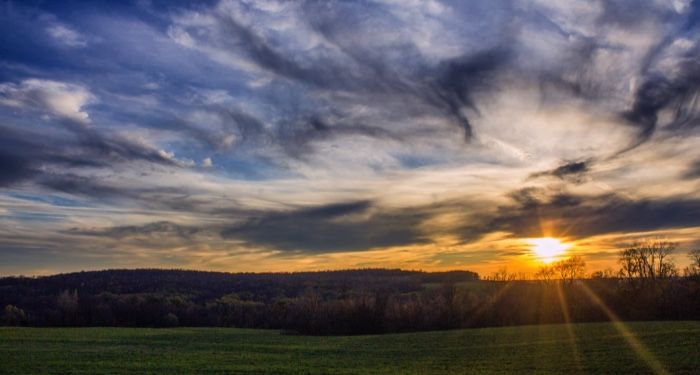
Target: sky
(312,135)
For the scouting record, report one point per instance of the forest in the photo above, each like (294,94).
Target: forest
(647,287)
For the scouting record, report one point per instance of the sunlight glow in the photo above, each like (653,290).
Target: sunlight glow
(637,346)
(548,248)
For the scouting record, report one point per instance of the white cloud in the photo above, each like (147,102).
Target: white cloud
(680,6)
(58,98)
(179,161)
(67,36)
(207,163)
(545,133)
(166,154)
(181,36)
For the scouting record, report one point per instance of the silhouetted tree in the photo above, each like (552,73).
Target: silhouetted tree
(570,269)
(648,260)
(337,302)
(502,275)
(693,268)
(565,270)
(545,273)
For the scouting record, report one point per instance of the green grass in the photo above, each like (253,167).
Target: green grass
(599,348)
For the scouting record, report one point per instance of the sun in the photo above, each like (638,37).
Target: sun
(548,248)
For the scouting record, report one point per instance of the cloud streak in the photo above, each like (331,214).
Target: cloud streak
(367,132)
(58,98)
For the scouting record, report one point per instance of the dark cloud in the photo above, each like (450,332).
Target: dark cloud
(15,156)
(111,148)
(294,136)
(572,171)
(362,225)
(693,171)
(222,128)
(158,229)
(674,90)
(659,92)
(567,169)
(174,198)
(443,89)
(79,185)
(12,169)
(49,158)
(581,215)
(528,197)
(238,36)
(464,77)
(54,160)
(331,211)
(353,226)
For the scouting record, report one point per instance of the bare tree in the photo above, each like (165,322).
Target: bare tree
(503,275)
(545,273)
(566,270)
(648,260)
(694,268)
(630,265)
(570,269)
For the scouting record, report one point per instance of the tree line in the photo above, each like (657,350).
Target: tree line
(646,287)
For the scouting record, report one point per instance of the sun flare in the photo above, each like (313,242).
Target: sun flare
(548,248)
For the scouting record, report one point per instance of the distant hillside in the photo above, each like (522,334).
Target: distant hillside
(206,284)
(345,301)
(334,302)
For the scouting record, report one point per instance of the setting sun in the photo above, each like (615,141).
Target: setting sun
(547,248)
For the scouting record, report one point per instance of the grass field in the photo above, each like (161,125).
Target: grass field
(598,348)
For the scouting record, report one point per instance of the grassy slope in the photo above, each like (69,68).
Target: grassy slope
(532,349)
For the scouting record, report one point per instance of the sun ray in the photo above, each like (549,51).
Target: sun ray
(637,346)
(569,328)
(485,306)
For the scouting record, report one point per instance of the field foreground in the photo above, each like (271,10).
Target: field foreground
(634,348)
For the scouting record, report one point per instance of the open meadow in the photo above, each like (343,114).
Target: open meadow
(632,348)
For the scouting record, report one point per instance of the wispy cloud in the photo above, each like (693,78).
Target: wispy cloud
(313,134)
(58,98)
(65,35)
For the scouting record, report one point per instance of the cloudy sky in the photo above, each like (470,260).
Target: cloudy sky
(305,135)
